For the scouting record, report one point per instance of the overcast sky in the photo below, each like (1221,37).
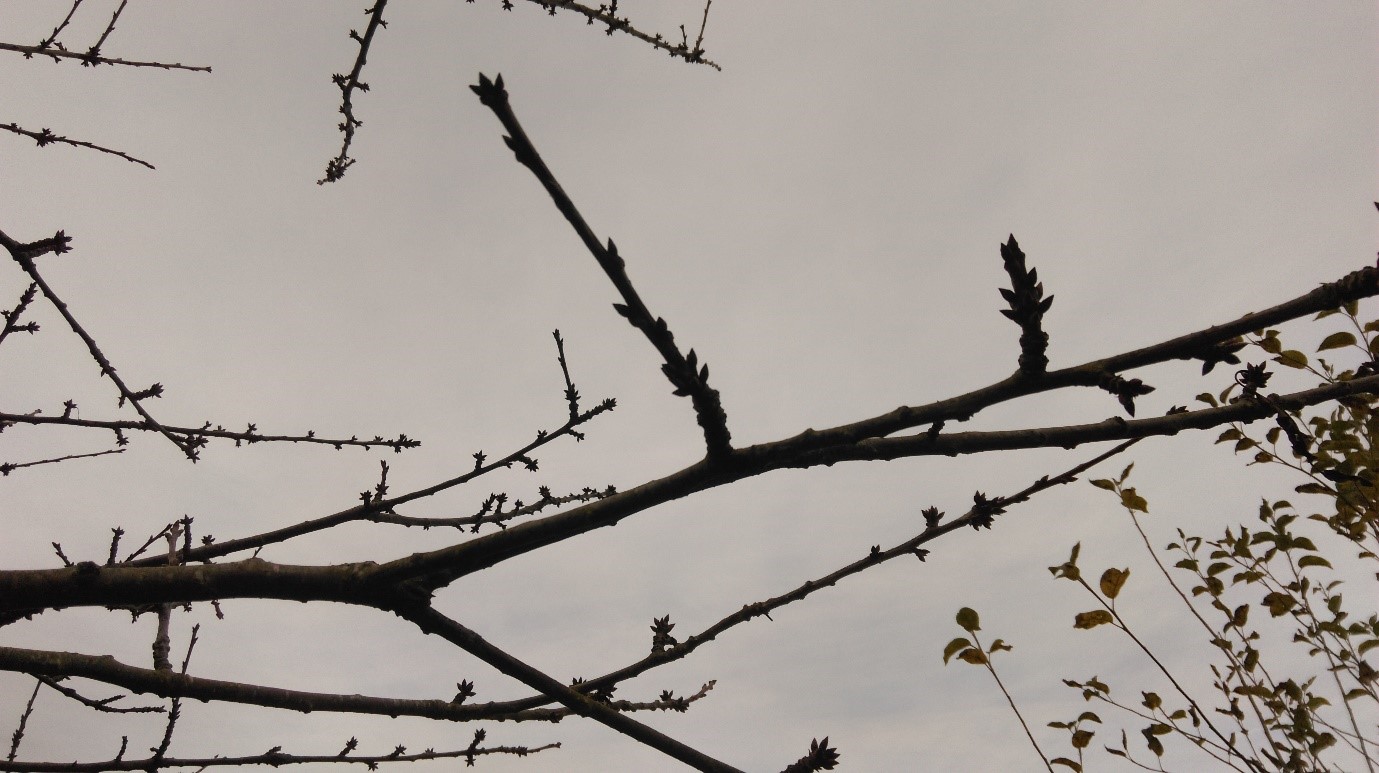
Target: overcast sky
(819,221)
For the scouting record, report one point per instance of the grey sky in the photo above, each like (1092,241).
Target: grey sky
(819,221)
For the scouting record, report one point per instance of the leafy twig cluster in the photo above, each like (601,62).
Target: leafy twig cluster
(1289,566)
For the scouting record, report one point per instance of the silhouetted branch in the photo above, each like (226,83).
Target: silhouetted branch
(46,137)
(335,168)
(167,684)
(441,567)
(676,650)
(432,622)
(48,41)
(198,436)
(24,254)
(95,50)
(61,53)
(18,736)
(364,511)
(607,15)
(274,757)
(12,323)
(8,467)
(684,371)
(103,704)
(492,510)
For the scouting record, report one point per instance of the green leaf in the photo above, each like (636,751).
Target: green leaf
(1152,700)
(968,620)
(1279,603)
(1337,341)
(1240,616)
(1130,500)
(1068,569)
(1153,742)
(1291,358)
(1104,483)
(1270,343)
(1229,434)
(1313,561)
(1112,580)
(1081,738)
(1088,620)
(999,645)
(953,647)
(1065,761)
(974,656)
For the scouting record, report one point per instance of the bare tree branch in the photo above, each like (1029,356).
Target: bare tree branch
(47,137)
(89,59)
(684,371)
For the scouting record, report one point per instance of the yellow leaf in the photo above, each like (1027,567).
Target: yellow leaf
(1085,620)
(1112,580)
(1131,500)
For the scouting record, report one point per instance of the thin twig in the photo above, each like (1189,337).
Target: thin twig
(24,254)
(18,736)
(62,53)
(197,435)
(12,323)
(99,705)
(335,168)
(7,467)
(909,547)
(48,41)
(274,758)
(605,15)
(47,137)
(95,50)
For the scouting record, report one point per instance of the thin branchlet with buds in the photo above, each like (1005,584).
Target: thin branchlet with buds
(348,84)
(47,137)
(686,374)
(189,440)
(607,15)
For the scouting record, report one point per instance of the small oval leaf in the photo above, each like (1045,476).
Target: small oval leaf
(1131,500)
(1112,580)
(1337,341)
(953,647)
(1291,358)
(968,620)
(1086,620)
